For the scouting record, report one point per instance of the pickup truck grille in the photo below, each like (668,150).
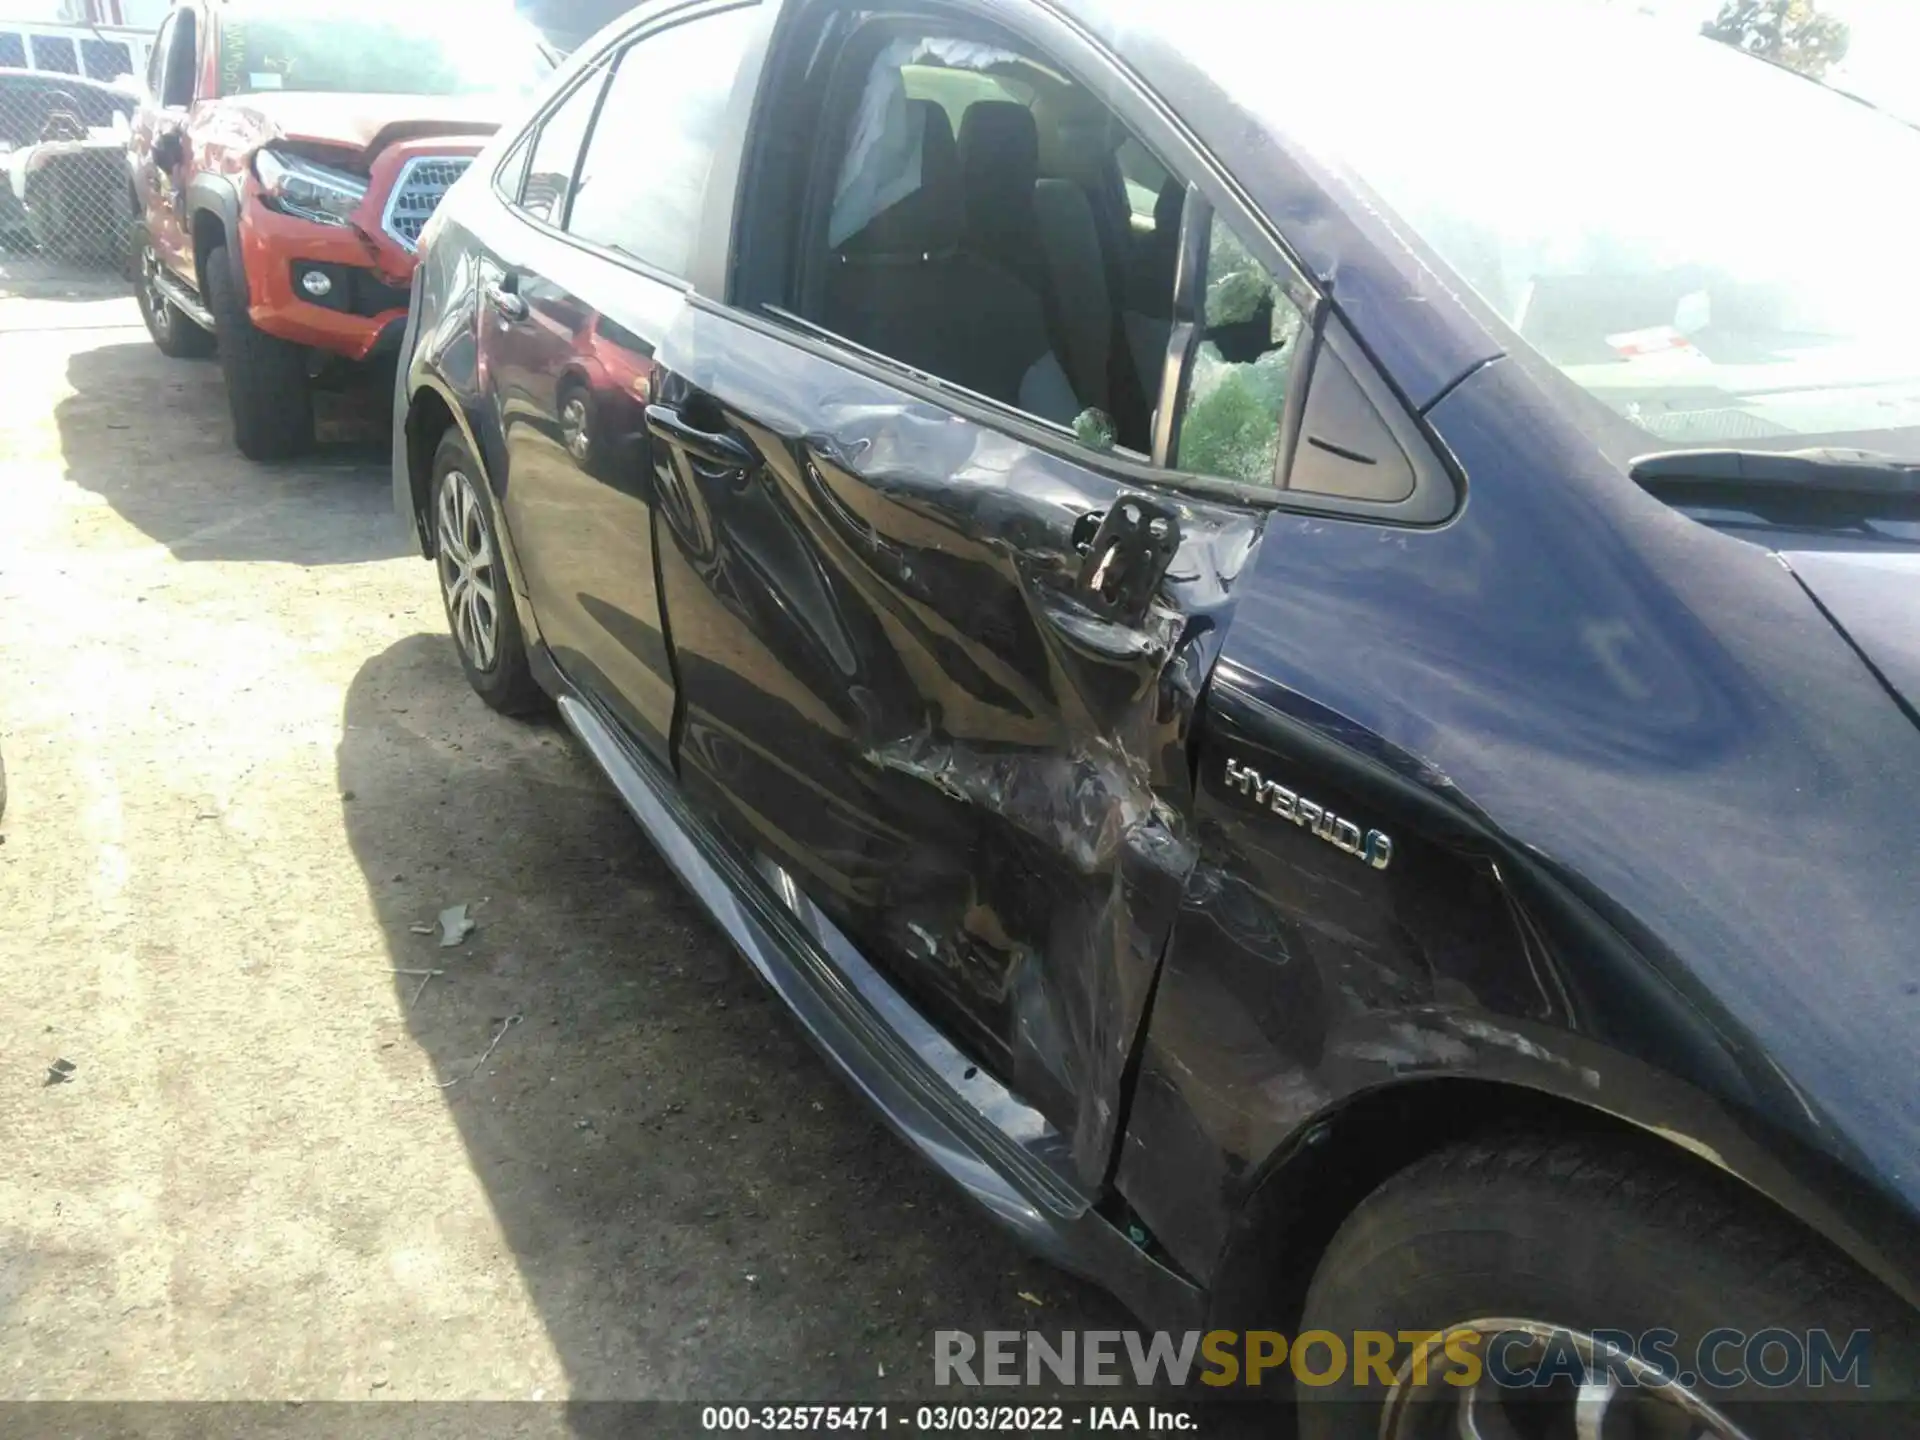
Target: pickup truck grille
(423,181)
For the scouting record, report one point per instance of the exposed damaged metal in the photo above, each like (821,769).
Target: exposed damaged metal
(933,659)
(1087,806)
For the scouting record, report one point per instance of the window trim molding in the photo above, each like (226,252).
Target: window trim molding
(530,136)
(1121,466)
(157,57)
(1184,335)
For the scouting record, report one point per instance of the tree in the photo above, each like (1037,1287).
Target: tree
(1788,32)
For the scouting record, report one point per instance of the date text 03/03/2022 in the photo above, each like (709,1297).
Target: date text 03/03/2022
(949,1419)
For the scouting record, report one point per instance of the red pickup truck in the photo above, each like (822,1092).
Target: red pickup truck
(285,158)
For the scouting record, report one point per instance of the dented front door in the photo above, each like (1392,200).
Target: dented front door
(912,673)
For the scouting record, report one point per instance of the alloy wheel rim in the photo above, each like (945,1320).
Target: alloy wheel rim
(467,571)
(1622,1394)
(157,305)
(573,426)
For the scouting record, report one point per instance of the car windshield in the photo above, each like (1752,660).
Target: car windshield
(1719,250)
(396,49)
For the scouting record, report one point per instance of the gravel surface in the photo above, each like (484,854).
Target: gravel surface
(243,767)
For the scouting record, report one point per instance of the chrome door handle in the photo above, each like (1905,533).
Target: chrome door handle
(507,302)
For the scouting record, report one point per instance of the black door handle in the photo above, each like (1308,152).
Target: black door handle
(667,425)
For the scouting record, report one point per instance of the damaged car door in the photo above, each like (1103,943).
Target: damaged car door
(938,663)
(585,279)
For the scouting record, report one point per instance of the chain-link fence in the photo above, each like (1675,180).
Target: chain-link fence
(67,192)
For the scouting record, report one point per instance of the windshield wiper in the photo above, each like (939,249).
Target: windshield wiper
(1863,473)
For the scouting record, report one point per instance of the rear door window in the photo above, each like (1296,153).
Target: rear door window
(643,180)
(512,173)
(556,153)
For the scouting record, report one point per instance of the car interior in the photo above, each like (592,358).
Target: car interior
(992,225)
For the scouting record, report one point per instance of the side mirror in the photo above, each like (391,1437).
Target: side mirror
(170,150)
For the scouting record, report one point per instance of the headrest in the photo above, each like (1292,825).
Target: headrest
(928,220)
(999,149)
(1168,209)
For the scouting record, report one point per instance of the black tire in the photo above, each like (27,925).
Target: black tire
(172,331)
(1592,1235)
(267,388)
(499,673)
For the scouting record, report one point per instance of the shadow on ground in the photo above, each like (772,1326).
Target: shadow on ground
(27,275)
(151,435)
(699,1209)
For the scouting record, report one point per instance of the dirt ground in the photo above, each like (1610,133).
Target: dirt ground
(243,767)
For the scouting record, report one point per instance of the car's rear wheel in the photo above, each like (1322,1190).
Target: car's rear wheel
(172,331)
(474,585)
(268,391)
(1534,1245)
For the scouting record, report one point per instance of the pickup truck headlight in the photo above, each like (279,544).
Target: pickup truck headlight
(309,190)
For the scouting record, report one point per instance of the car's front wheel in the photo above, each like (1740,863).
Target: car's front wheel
(474,585)
(1539,1254)
(268,391)
(172,331)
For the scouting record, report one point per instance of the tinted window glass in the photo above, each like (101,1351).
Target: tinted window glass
(556,150)
(106,59)
(55,52)
(991,253)
(183,59)
(513,170)
(1238,393)
(664,108)
(13,51)
(1144,178)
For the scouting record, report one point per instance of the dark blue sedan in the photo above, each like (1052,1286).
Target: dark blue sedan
(1292,630)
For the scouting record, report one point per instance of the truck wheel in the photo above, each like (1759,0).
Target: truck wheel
(267,388)
(173,332)
(1537,1245)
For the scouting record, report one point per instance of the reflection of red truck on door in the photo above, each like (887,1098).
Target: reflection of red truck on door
(285,157)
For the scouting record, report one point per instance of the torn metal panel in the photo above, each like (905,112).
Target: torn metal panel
(896,686)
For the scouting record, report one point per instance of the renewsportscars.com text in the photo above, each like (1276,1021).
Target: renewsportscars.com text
(1722,1359)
